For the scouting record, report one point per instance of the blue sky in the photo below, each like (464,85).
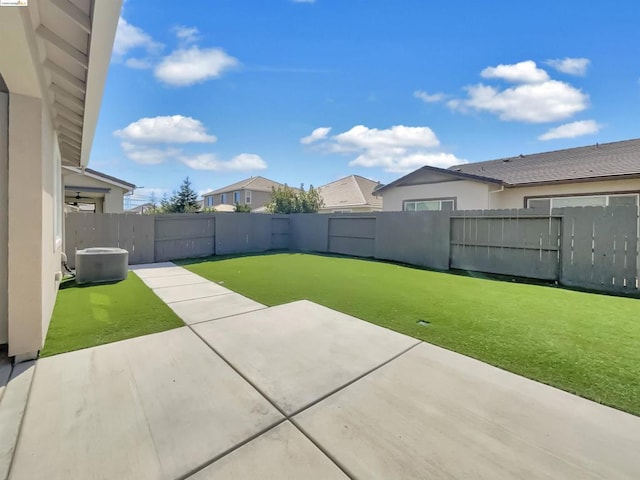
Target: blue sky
(311,91)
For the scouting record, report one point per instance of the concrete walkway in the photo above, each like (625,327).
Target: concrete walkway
(301,391)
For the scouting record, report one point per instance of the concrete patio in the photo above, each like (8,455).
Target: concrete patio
(294,391)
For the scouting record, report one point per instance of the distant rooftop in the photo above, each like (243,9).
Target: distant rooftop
(256,184)
(351,191)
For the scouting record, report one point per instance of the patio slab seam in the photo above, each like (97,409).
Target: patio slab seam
(226,316)
(21,369)
(290,417)
(195,298)
(231,449)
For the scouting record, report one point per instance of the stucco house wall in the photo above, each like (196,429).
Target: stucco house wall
(113,201)
(31,195)
(515,197)
(469,195)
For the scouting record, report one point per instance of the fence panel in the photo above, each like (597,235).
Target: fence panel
(184,236)
(280,232)
(134,233)
(600,248)
(352,235)
(515,243)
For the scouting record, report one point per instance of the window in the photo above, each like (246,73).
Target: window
(210,201)
(223,198)
(548,204)
(446,205)
(236,197)
(247,197)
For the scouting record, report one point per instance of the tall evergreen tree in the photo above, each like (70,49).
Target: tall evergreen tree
(185,200)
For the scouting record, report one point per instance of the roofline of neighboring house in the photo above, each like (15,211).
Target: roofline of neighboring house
(602,178)
(247,187)
(103,177)
(452,173)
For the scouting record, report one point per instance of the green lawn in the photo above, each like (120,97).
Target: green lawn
(93,315)
(584,343)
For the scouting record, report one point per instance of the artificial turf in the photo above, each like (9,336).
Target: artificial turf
(584,343)
(93,315)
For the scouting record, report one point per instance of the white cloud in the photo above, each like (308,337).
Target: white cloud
(317,135)
(396,137)
(186,35)
(534,103)
(166,129)
(145,155)
(129,37)
(429,97)
(523,72)
(209,161)
(398,149)
(406,163)
(571,66)
(139,63)
(188,66)
(572,130)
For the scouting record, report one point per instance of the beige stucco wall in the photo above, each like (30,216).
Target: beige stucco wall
(51,240)
(469,195)
(4,133)
(258,199)
(33,257)
(113,201)
(514,197)
(353,209)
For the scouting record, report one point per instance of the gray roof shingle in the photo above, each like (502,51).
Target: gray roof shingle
(257,184)
(581,163)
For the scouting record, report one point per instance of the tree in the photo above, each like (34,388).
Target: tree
(242,208)
(185,200)
(287,200)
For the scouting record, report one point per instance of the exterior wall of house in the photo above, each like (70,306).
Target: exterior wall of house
(258,199)
(113,201)
(346,209)
(4,165)
(515,197)
(33,252)
(469,195)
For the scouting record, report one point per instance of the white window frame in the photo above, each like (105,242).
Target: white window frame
(247,197)
(439,201)
(606,196)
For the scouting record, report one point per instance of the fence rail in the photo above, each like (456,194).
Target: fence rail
(589,247)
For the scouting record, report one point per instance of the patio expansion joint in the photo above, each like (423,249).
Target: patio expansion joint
(221,318)
(290,416)
(194,298)
(24,414)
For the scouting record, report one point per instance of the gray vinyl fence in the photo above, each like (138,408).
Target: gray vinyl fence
(588,247)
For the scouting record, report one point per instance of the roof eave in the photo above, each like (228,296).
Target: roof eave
(577,180)
(104,23)
(453,173)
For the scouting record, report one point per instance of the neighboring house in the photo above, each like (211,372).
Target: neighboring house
(94,191)
(53,66)
(141,209)
(350,194)
(254,191)
(596,175)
